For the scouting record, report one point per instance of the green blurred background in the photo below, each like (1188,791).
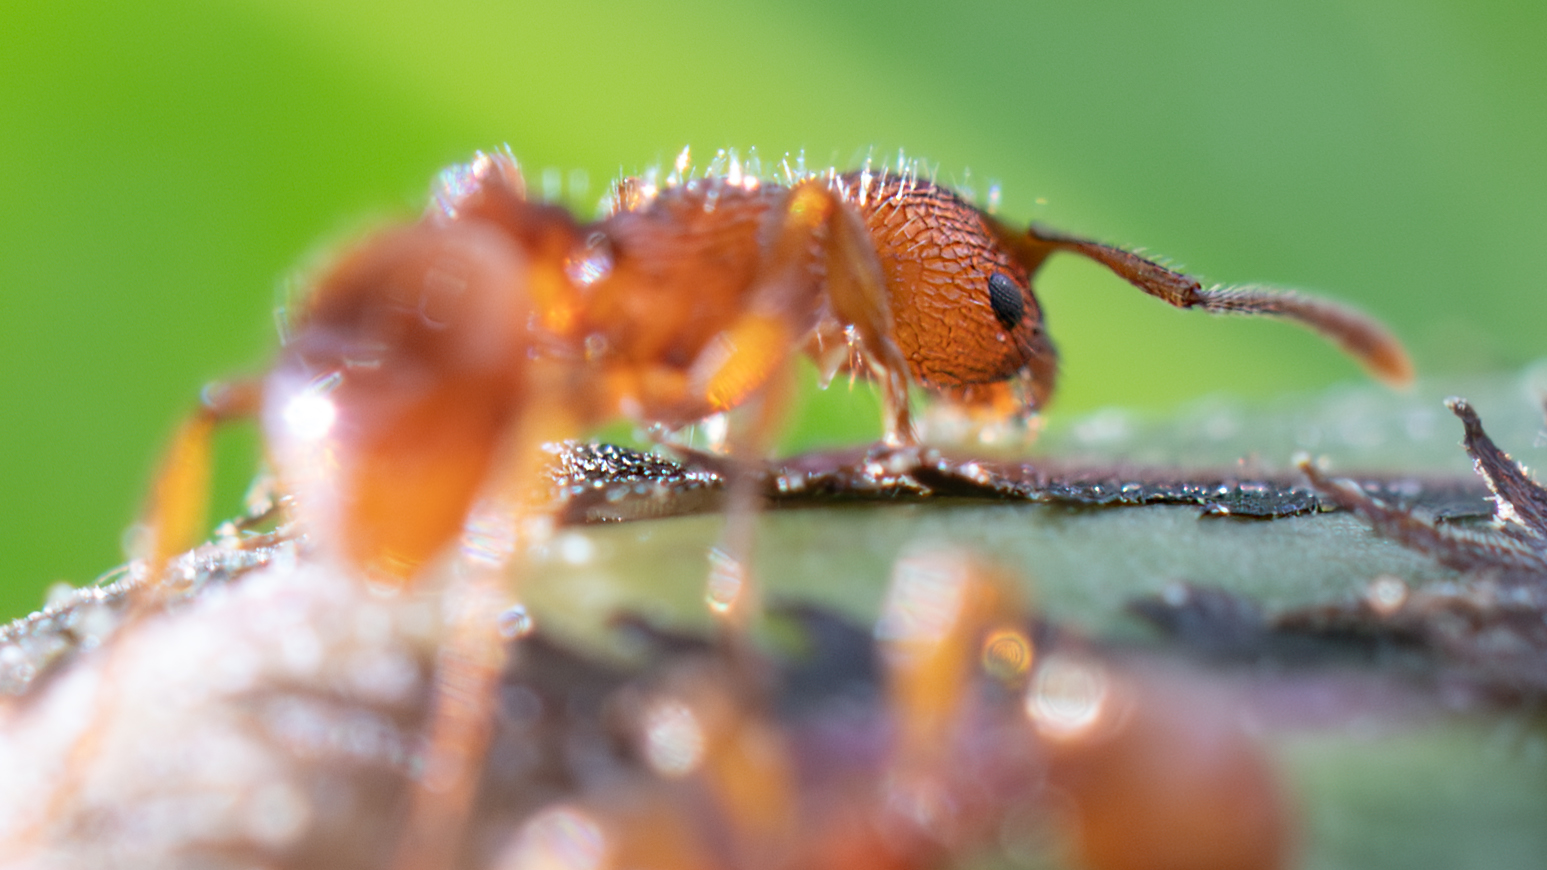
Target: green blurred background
(163,166)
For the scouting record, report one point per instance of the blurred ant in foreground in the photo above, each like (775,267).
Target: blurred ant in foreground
(419,380)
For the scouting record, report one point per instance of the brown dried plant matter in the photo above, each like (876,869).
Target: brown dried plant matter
(1516,541)
(1490,629)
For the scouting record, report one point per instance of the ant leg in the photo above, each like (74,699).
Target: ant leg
(731,591)
(817,233)
(934,633)
(1521,500)
(856,290)
(174,523)
(1358,334)
(459,726)
(509,517)
(175,515)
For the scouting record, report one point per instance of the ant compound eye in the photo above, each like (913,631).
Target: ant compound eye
(1009,306)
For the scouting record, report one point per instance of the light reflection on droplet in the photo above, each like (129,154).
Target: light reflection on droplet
(923,802)
(310,416)
(681,168)
(1386,594)
(490,537)
(727,582)
(515,622)
(575,548)
(1007,653)
(924,599)
(733,174)
(1067,697)
(452,187)
(559,838)
(673,738)
(716,431)
(59,594)
(593,262)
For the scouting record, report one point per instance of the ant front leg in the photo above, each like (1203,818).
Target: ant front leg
(1356,333)
(856,290)
(818,243)
(817,235)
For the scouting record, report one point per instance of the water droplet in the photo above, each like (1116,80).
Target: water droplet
(1386,594)
(591,263)
(1007,653)
(1067,697)
(727,581)
(516,622)
(673,738)
(277,814)
(559,838)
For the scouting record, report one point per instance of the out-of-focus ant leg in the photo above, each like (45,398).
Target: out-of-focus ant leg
(173,523)
(945,614)
(817,234)
(1356,333)
(511,516)
(175,516)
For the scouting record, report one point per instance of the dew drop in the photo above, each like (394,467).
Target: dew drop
(516,622)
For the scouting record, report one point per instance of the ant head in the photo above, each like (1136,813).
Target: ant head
(961,300)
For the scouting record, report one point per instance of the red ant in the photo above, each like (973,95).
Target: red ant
(430,362)
(432,358)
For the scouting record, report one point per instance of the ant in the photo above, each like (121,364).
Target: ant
(418,381)
(431,359)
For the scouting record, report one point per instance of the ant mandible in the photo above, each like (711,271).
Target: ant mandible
(429,364)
